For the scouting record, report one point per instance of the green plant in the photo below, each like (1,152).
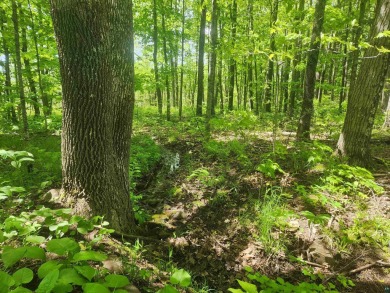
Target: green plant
(179,279)
(272,214)
(73,267)
(269,168)
(268,285)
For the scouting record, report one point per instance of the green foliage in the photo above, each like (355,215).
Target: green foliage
(269,168)
(272,215)
(179,279)
(261,283)
(145,154)
(74,269)
(226,151)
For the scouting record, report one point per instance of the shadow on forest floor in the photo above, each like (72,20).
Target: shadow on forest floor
(213,230)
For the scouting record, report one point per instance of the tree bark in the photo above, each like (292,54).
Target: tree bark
(303,132)
(18,61)
(213,64)
(96,52)
(202,41)
(354,140)
(11,113)
(296,74)
(182,61)
(272,47)
(29,74)
(155,62)
(232,62)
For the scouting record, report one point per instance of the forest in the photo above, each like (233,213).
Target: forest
(194,146)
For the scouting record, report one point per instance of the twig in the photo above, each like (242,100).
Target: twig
(128,236)
(313,264)
(370,265)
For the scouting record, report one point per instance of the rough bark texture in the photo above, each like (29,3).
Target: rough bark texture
(354,140)
(96,51)
(303,132)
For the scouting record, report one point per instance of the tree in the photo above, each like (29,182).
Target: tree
(18,59)
(155,62)
(213,65)
(202,41)
(303,132)
(96,51)
(354,140)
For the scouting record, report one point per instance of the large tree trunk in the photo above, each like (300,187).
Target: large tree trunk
(96,51)
(307,110)
(354,140)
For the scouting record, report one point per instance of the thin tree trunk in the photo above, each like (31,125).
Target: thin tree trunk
(232,62)
(202,41)
(270,72)
(166,69)
(11,113)
(155,61)
(29,74)
(213,64)
(303,132)
(18,64)
(182,61)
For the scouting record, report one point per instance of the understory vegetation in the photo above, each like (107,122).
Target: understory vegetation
(246,209)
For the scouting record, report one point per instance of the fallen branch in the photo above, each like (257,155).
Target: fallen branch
(370,265)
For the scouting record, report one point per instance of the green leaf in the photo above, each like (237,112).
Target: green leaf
(71,276)
(116,281)
(86,271)
(181,277)
(35,239)
(6,279)
(168,289)
(35,252)
(89,255)
(47,267)
(63,288)
(235,290)
(2,238)
(23,276)
(48,282)
(11,255)
(63,246)
(95,288)
(248,287)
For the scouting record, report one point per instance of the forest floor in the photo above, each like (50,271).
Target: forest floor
(241,198)
(207,213)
